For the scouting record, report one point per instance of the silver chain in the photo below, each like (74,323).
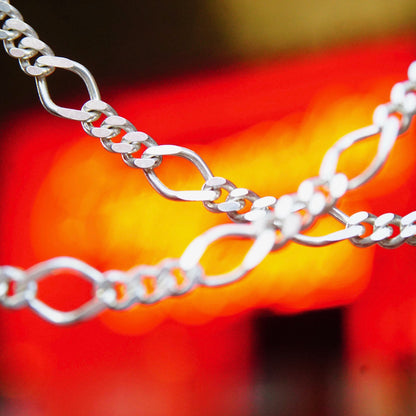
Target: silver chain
(269,221)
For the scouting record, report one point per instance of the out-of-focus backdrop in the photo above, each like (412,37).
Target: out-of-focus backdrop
(260,90)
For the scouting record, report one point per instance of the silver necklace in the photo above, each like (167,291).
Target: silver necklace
(270,222)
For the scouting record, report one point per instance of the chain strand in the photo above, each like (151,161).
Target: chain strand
(269,221)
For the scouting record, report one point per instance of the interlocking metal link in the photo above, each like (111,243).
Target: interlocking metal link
(264,241)
(170,150)
(383,232)
(52,267)
(269,221)
(236,200)
(72,66)
(161,283)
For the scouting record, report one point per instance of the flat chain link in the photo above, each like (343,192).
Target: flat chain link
(268,221)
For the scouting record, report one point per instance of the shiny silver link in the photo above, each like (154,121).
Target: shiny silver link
(161,284)
(217,184)
(264,241)
(12,29)
(367,218)
(24,286)
(384,222)
(330,161)
(236,201)
(403,101)
(319,195)
(170,150)
(388,136)
(55,266)
(260,208)
(111,128)
(269,222)
(116,292)
(340,216)
(134,290)
(96,109)
(383,232)
(72,66)
(132,141)
(190,278)
(29,46)
(288,205)
(112,125)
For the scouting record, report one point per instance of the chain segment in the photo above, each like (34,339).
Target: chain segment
(269,221)
(383,229)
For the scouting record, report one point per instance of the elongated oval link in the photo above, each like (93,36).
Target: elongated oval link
(388,136)
(68,65)
(330,161)
(264,240)
(52,266)
(165,150)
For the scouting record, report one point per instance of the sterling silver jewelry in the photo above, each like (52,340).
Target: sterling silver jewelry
(270,222)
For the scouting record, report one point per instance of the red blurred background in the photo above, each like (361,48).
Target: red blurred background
(324,331)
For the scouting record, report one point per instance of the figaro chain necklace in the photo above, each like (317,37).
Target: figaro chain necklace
(270,222)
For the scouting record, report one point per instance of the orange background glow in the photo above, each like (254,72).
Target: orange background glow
(264,127)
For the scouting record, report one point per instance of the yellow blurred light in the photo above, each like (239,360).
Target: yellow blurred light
(107,214)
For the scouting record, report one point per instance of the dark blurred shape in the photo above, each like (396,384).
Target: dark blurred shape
(299,364)
(119,40)
(137,41)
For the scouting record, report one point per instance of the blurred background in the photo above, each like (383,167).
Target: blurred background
(260,90)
